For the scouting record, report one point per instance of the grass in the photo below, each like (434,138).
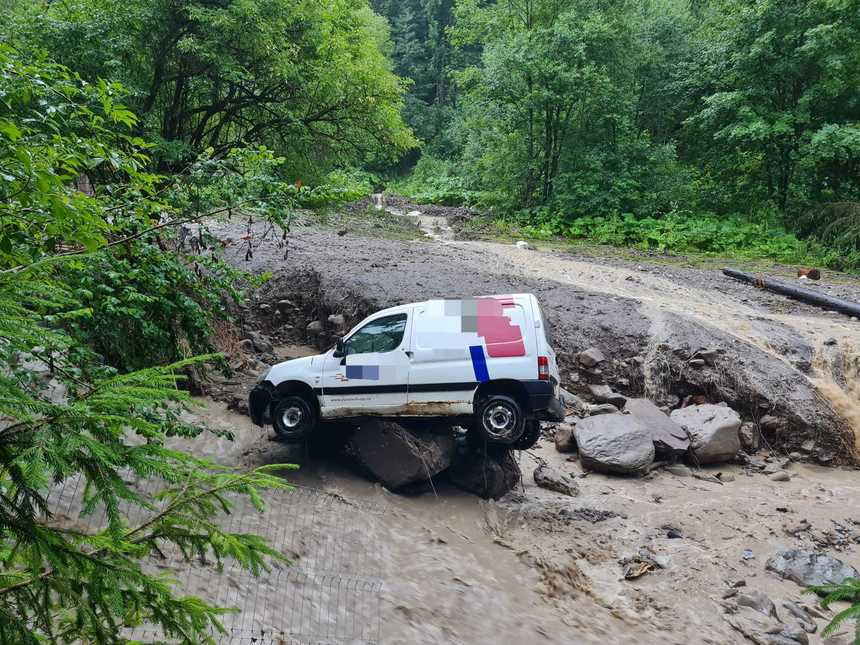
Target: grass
(703,241)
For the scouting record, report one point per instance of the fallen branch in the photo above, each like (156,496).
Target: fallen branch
(796,293)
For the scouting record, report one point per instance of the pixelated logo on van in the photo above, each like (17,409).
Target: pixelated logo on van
(486,317)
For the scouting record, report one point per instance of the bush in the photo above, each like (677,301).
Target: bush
(687,232)
(435,181)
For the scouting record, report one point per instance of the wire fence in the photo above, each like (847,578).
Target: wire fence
(329,594)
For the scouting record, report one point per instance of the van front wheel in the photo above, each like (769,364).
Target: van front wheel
(499,419)
(293,418)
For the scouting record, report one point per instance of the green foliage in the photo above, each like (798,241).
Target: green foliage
(80,271)
(687,232)
(435,181)
(601,109)
(148,307)
(847,591)
(422,53)
(309,80)
(780,76)
(346,185)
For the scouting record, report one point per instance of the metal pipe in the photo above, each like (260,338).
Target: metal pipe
(804,295)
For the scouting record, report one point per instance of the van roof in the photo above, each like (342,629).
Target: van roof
(399,308)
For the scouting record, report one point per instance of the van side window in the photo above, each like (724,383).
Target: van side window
(380,335)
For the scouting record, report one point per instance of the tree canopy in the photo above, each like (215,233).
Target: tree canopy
(560,110)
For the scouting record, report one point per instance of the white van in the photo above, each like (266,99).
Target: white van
(484,362)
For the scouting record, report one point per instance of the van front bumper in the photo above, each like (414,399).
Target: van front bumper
(543,404)
(259,403)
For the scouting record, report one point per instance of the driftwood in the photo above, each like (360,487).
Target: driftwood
(804,295)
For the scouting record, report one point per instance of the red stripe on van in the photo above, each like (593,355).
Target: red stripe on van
(503,338)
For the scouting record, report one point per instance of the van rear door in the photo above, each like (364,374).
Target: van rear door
(458,344)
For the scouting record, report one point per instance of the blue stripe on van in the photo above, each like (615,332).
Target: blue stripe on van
(479,363)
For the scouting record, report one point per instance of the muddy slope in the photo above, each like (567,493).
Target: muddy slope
(650,324)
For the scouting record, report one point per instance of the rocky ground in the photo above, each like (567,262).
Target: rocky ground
(575,552)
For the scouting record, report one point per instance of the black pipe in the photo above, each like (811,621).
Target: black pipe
(804,295)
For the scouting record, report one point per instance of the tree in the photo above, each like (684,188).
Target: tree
(65,414)
(783,106)
(309,80)
(552,78)
(423,54)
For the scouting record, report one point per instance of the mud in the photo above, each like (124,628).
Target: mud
(446,567)
(649,321)
(536,566)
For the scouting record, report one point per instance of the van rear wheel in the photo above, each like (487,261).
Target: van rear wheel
(293,418)
(530,435)
(499,419)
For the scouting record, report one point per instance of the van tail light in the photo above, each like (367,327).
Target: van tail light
(543,368)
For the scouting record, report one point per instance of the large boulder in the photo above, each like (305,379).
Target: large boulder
(488,474)
(547,477)
(810,569)
(602,393)
(670,439)
(614,443)
(713,431)
(398,457)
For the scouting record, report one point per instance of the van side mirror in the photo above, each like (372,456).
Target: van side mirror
(338,348)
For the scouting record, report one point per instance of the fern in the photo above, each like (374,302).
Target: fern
(849,591)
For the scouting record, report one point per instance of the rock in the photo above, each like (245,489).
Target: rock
(285,305)
(238,403)
(571,401)
(713,431)
(614,443)
(831,341)
(761,629)
(808,445)
(750,436)
(770,423)
(246,345)
(547,477)
(337,320)
(564,439)
(591,357)
(314,327)
(522,244)
(603,408)
(810,569)
(396,456)
(775,466)
(758,601)
(708,355)
(780,476)
(679,470)
(265,308)
(669,438)
(696,362)
(604,394)
(489,475)
(260,342)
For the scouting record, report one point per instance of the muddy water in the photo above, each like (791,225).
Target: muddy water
(534,567)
